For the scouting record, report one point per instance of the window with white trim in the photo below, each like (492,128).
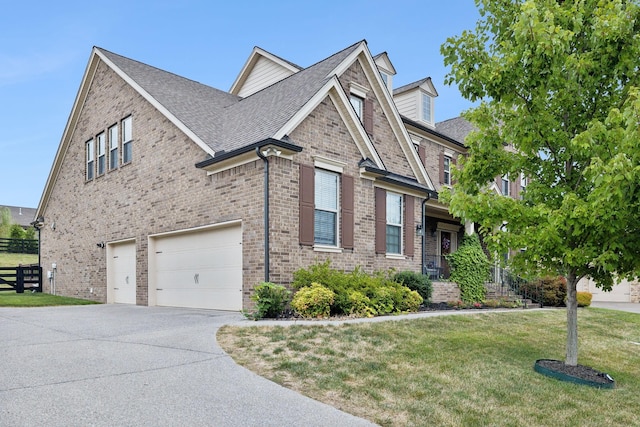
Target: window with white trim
(102,154)
(427,108)
(326,197)
(127,139)
(90,151)
(113,147)
(505,185)
(446,166)
(394,223)
(358,105)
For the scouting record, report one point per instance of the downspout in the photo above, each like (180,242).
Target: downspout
(266,213)
(424,230)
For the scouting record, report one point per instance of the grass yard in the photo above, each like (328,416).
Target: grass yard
(28,299)
(13,260)
(471,370)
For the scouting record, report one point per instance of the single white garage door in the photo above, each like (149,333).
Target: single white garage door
(121,272)
(198,269)
(620,292)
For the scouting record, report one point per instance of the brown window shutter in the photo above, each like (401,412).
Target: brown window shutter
(381,221)
(368,116)
(409,226)
(513,191)
(307,204)
(454,162)
(422,153)
(441,168)
(346,213)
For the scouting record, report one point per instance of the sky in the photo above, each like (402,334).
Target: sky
(45,48)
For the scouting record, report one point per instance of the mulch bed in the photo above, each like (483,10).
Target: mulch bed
(579,371)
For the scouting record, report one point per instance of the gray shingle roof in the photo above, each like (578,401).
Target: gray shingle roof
(457,128)
(225,121)
(20,215)
(198,106)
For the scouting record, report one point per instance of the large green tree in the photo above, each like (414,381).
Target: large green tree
(555,84)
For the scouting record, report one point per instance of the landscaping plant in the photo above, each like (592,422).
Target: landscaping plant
(555,84)
(270,300)
(416,282)
(313,301)
(470,269)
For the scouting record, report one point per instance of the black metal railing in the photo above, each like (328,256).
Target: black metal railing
(504,283)
(436,267)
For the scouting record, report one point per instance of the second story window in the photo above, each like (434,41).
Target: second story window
(127,139)
(102,160)
(446,170)
(505,185)
(113,147)
(90,159)
(358,105)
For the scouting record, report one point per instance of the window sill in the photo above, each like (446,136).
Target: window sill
(323,248)
(395,256)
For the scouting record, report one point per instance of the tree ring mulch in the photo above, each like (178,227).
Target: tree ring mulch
(578,374)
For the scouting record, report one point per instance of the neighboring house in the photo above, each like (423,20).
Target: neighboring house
(21,216)
(157,191)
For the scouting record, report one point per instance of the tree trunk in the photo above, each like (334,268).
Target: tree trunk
(572,321)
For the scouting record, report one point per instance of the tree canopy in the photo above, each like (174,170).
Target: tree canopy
(557,89)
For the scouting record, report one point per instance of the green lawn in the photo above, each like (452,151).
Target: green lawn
(471,370)
(28,299)
(13,260)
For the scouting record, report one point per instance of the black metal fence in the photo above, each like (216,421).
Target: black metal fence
(505,283)
(19,246)
(20,278)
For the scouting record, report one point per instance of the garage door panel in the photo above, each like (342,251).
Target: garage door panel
(200,269)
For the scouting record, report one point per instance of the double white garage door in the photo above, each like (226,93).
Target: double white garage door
(197,268)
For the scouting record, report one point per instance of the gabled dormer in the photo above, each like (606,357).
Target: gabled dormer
(416,101)
(261,70)
(386,68)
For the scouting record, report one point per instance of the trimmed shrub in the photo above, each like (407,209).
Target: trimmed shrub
(552,291)
(470,269)
(416,282)
(313,301)
(584,299)
(270,299)
(358,293)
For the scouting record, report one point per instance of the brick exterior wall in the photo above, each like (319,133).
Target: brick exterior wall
(445,291)
(162,191)
(159,191)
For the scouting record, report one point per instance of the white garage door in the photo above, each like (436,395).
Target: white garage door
(198,269)
(620,292)
(121,272)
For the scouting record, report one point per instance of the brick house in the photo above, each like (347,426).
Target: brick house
(165,191)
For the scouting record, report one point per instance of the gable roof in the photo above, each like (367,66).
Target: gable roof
(256,55)
(425,83)
(221,122)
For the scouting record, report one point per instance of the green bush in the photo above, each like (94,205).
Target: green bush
(470,269)
(552,291)
(584,299)
(270,299)
(313,301)
(416,282)
(358,293)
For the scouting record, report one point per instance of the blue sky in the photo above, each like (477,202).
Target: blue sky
(45,48)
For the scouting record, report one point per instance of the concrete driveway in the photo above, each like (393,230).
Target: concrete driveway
(621,306)
(120,365)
